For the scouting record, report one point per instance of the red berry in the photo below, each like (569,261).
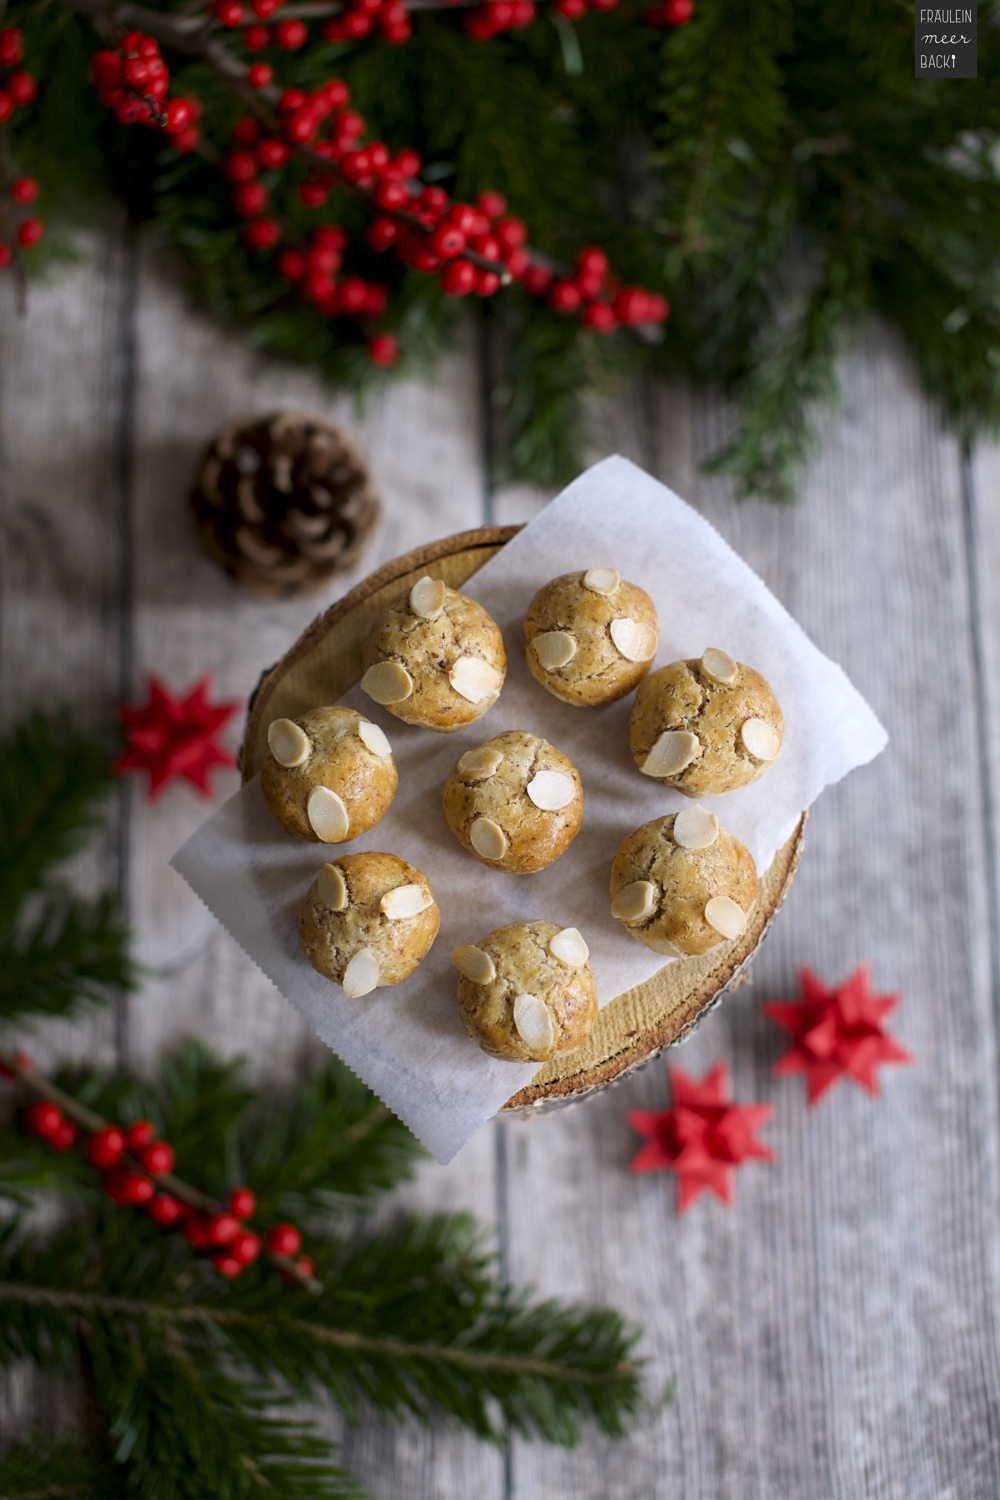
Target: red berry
(319,288)
(395,31)
(6,256)
(458,278)
(355,166)
(491,204)
(66,1136)
(291,34)
(511,233)
(256,38)
(136,71)
(139,1134)
(658,308)
(391,193)
(262,234)
(245,1247)
(486,246)
(592,261)
(328,237)
(285,1239)
(23,87)
(678,12)
(165,1210)
(305,1266)
(226,1265)
(44,1119)
(423,259)
(354,25)
(240,166)
(517,262)
(291,265)
(197,1228)
(463,217)
(353,297)
(600,317)
(382,350)
(382,233)
(158,1158)
(336,93)
(447,241)
(228,12)
(259,75)
(349,122)
(11,47)
(376,300)
(187,140)
(632,305)
(106,70)
(407,163)
(6,105)
(564,297)
(524,13)
(246,132)
(313,194)
(290,100)
(378,156)
(301,126)
(125,1186)
(264,8)
(249,199)
(179,116)
(272,153)
(242,1202)
(486,283)
(106,1147)
(223,1227)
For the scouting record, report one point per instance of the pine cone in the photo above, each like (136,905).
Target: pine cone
(283,502)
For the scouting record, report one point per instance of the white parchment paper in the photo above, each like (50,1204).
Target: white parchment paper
(407,1042)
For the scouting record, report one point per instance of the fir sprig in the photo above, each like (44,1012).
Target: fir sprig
(38,1469)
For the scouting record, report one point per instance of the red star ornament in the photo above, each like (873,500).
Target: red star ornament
(837,1031)
(172,737)
(704,1138)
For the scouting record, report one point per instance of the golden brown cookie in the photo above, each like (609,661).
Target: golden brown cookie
(515,803)
(329,774)
(436,658)
(706,725)
(682,884)
(527,992)
(590,636)
(367,920)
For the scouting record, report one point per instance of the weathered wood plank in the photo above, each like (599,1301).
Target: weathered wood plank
(834,1333)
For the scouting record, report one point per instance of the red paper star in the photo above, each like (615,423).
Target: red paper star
(703,1138)
(837,1031)
(171,737)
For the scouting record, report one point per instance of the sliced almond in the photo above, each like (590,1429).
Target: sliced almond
(554,648)
(636,901)
(718,665)
(480,764)
(726,916)
(476,965)
(332,888)
(427,598)
(406,901)
(569,947)
(760,739)
(602,580)
(387,682)
(533,1022)
(633,640)
(474,679)
(327,815)
(288,742)
(551,790)
(694,828)
(375,739)
(675,749)
(488,838)
(361,975)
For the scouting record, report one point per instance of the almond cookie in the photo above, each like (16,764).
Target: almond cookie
(435,658)
(367,920)
(705,726)
(515,802)
(329,774)
(527,991)
(682,884)
(590,636)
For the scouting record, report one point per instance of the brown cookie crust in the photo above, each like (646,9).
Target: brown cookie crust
(598,672)
(523,963)
(685,697)
(338,760)
(428,649)
(535,836)
(684,881)
(330,939)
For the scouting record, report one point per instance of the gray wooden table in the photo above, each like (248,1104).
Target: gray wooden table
(833,1334)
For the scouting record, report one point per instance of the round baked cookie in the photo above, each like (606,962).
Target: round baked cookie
(682,884)
(516,803)
(590,636)
(706,725)
(527,992)
(329,774)
(367,920)
(435,658)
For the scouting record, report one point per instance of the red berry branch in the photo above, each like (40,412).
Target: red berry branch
(472,248)
(138,1172)
(19,228)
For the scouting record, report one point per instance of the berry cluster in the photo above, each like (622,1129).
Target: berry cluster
(133,79)
(289,35)
(575,10)
(17,88)
(497,16)
(137,1168)
(361,17)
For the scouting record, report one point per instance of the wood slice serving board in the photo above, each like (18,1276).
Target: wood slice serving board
(325,663)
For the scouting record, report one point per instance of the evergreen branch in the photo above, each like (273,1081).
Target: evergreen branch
(38,1469)
(73,953)
(50,781)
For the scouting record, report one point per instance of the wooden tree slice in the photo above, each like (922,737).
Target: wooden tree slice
(325,663)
